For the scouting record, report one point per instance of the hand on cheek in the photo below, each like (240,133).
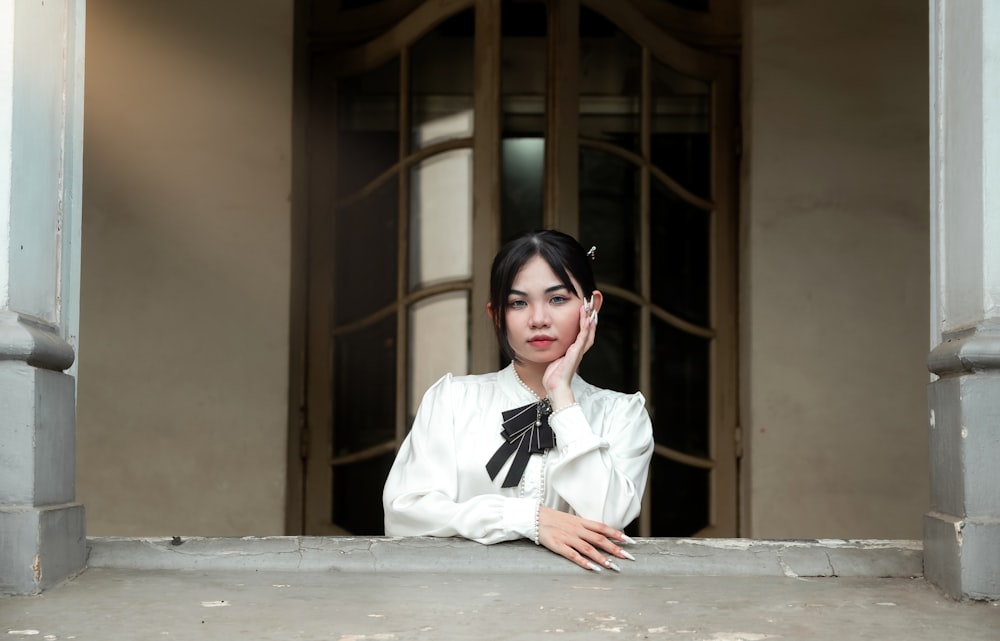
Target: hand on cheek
(560,372)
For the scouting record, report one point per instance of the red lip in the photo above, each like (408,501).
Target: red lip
(541,341)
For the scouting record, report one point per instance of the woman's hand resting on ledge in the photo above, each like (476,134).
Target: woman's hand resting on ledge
(579,540)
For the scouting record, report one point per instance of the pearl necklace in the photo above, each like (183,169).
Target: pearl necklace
(525,385)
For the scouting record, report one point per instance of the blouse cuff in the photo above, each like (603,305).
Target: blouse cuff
(519,516)
(570,425)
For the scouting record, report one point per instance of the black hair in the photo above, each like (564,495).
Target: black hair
(562,253)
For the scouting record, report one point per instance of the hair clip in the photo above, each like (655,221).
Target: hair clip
(592,253)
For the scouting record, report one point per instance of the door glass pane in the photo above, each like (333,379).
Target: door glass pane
(521,185)
(613,361)
(368,127)
(679,389)
(609,216)
(610,82)
(441,82)
(523,69)
(679,260)
(439,342)
(524,26)
(357,495)
(364,247)
(441,218)
(680,141)
(681,496)
(364,393)
(364,387)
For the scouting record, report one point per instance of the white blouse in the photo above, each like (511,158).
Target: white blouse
(439,486)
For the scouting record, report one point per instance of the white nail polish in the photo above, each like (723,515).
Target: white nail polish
(593,566)
(611,565)
(628,539)
(628,556)
(593,318)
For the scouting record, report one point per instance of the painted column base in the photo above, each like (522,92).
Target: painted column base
(42,533)
(40,546)
(962,529)
(962,556)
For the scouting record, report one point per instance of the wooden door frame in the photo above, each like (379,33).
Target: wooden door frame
(311,233)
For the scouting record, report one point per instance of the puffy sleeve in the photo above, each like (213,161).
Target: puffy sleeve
(601,469)
(422,496)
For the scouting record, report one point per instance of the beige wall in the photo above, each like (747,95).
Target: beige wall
(184,317)
(835,271)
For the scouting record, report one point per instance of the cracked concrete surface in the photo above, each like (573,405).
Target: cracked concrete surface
(223,605)
(730,557)
(354,589)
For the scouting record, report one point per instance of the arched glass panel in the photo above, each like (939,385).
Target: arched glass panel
(441,218)
(679,389)
(680,141)
(613,361)
(364,244)
(356,484)
(439,342)
(610,83)
(522,85)
(681,495)
(367,127)
(679,260)
(441,82)
(522,184)
(364,387)
(364,393)
(523,70)
(609,216)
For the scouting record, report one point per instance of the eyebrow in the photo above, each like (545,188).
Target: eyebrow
(554,288)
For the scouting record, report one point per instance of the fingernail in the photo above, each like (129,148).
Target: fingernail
(628,539)
(627,555)
(593,318)
(588,303)
(593,566)
(611,565)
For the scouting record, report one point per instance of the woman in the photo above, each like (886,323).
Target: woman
(533,450)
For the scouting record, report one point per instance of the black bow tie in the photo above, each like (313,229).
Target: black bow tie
(525,431)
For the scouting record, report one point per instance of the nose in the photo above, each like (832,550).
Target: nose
(539,316)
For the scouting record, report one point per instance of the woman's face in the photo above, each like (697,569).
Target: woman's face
(543,316)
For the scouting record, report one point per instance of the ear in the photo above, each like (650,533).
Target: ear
(493,317)
(598,300)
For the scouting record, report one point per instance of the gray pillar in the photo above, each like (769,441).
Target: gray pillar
(962,530)
(42,538)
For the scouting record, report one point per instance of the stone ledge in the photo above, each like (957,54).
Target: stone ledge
(654,556)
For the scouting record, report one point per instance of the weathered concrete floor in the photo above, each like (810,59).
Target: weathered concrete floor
(387,589)
(114,603)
